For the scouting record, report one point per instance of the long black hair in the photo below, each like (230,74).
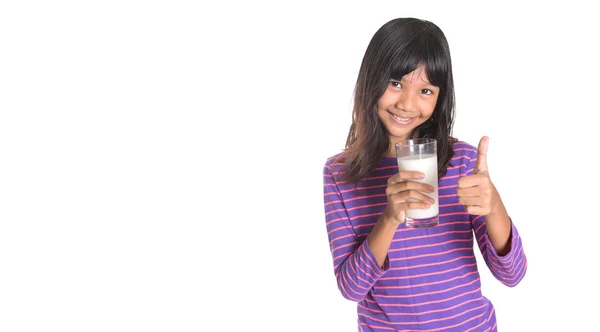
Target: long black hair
(398,48)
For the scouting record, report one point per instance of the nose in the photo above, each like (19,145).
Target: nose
(407,101)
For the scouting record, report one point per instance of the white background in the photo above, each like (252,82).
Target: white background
(161,161)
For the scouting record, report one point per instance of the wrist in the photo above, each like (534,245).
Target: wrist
(389,220)
(497,209)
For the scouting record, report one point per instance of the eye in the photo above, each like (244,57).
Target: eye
(426,92)
(396,84)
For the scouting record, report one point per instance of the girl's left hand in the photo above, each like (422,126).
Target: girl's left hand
(477,192)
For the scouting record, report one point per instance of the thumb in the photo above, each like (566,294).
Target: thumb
(481,163)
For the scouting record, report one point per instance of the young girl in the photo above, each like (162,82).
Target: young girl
(414,279)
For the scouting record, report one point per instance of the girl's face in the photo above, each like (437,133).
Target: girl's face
(406,104)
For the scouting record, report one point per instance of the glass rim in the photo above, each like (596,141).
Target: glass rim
(416,141)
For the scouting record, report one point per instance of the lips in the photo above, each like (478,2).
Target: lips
(401,120)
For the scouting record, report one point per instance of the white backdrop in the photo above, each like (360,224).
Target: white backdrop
(161,162)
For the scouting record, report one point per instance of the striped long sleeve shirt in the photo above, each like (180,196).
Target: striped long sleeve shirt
(429,280)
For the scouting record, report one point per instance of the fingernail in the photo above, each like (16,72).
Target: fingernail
(421,175)
(431,188)
(431,200)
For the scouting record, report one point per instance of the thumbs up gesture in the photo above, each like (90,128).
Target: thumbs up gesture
(477,192)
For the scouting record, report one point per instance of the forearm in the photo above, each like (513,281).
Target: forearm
(502,248)
(498,229)
(381,238)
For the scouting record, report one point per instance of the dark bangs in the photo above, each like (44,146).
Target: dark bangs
(423,50)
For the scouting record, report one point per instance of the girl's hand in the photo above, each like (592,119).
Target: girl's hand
(477,192)
(403,195)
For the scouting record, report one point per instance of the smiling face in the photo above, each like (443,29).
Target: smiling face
(406,104)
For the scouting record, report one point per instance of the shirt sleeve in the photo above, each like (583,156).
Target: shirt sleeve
(510,268)
(355,266)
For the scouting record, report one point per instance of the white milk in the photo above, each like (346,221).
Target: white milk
(426,164)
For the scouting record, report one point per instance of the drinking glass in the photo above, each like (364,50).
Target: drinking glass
(420,154)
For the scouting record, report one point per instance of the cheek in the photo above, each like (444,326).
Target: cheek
(428,106)
(382,114)
(382,104)
(387,99)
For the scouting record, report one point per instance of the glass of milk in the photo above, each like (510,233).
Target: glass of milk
(420,154)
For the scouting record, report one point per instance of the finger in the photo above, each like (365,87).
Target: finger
(413,206)
(472,180)
(476,210)
(471,201)
(394,179)
(410,175)
(412,196)
(481,164)
(408,185)
(468,192)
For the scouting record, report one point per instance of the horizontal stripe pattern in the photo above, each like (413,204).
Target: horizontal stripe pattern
(429,280)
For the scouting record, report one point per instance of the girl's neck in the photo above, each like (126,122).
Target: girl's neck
(391,153)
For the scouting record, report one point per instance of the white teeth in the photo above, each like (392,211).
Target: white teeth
(401,119)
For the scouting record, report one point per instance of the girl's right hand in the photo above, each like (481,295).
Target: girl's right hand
(400,189)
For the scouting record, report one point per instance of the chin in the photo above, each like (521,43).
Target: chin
(401,132)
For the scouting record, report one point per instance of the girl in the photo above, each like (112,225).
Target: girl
(417,279)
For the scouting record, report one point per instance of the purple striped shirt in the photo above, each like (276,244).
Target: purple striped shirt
(429,280)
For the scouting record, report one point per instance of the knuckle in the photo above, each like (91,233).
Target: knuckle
(405,195)
(426,198)
(398,199)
